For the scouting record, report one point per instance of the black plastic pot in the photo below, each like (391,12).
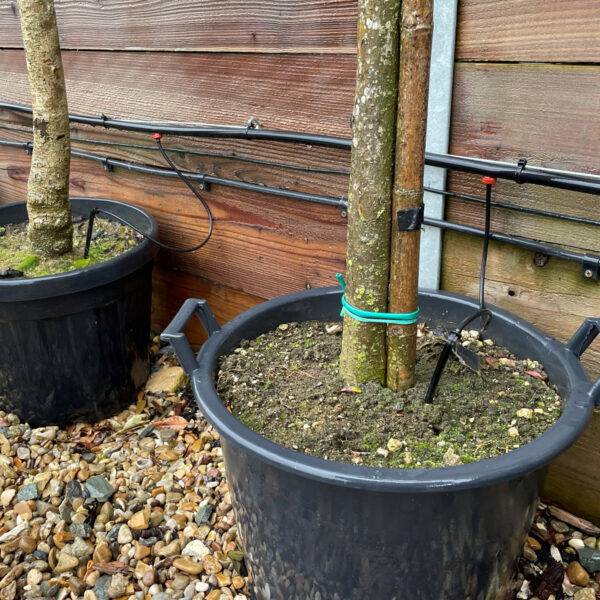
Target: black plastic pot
(315,529)
(75,345)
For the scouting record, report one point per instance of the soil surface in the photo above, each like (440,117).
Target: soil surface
(285,385)
(18,260)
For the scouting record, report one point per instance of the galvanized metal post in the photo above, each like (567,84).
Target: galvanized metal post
(438,133)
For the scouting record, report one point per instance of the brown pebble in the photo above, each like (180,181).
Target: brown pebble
(211,565)
(188,566)
(102,553)
(27,544)
(533,543)
(577,574)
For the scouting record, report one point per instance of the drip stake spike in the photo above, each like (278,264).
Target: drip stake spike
(453,340)
(90,228)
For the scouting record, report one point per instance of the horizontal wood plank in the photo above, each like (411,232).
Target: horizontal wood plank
(297,167)
(573,480)
(263,246)
(537,197)
(311,93)
(210,25)
(171,288)
(546,113)
(529,30)
(577,236)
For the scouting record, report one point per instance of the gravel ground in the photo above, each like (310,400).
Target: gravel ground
(133,507)
(137,507)
(561,558)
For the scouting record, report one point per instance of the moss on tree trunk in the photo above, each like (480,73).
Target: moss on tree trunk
(50,225)
(363,356)
(413,86)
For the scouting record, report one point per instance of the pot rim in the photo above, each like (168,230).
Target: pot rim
(577,408)
(79,280)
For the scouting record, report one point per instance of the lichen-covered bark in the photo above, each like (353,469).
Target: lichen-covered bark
(50,225)
(415,52)
(373,134)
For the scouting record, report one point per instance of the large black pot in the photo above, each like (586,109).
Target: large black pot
(315,529)
(75,345)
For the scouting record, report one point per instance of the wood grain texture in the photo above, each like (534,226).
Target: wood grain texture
(547,113)
(263,246)
(530,196)
(172,288)
(529,30)
(556,299)
(299,167)
(202,88)
(573,480)
(210,25)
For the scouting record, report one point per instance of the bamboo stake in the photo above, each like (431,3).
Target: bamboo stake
(413,86)
(50,225)
(373,137)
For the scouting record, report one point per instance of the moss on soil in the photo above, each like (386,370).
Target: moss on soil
(109,240)
(285,385)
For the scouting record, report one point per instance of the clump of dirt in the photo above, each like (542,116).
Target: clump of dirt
(286,386)
(18,260)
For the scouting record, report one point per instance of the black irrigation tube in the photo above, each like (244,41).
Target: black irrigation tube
(589,262)
(205,180)
(520,172)
(203,153)
(514,207)
(219,131)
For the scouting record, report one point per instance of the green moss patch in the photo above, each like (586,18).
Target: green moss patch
(109,240)
(285,385)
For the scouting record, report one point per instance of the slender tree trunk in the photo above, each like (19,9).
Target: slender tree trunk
(50,224)
(415,52)
(363,355)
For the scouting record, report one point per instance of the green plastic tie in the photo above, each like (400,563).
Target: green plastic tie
(367,316)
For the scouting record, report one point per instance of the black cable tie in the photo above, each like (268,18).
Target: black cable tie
(29,148)
(106,165)
(104,118)
(519,170)
(410,219)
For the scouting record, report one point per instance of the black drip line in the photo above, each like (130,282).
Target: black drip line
(520,173)
(590,263)
(95,211)
(454,337)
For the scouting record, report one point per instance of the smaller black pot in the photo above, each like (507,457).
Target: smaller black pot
(75,345)
(317,529)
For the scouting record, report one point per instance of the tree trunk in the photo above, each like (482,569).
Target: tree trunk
(415,52)
(50,224)
(363,356)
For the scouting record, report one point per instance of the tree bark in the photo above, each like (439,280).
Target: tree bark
(363,356)
(50,224)
(413,86)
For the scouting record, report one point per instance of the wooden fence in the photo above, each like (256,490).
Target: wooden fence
(526,84)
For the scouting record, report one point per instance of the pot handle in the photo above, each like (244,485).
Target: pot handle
(581,341)
(174,332)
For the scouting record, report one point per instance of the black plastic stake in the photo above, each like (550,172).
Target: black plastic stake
(454,336)
(90,228)
(453,339)
(489,183)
